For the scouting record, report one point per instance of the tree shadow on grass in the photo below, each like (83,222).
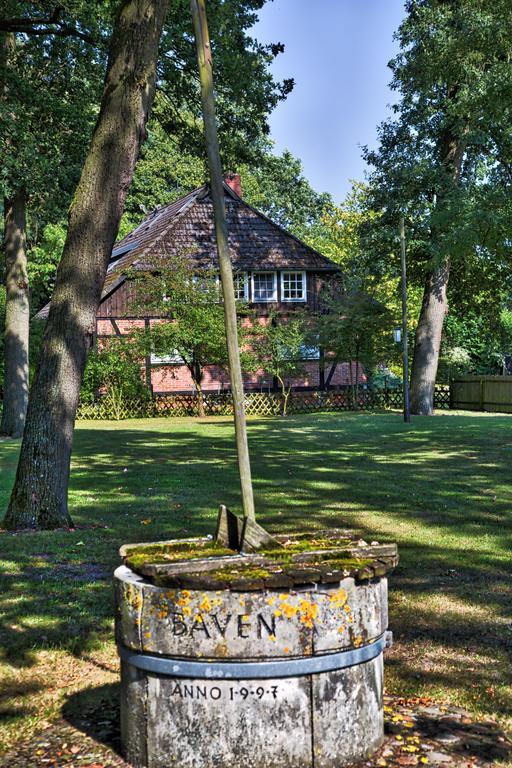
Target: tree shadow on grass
(95,712)
(9,690)
(56,587)
(441,488)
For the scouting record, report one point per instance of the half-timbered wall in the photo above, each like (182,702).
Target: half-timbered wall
(121,302)
(116,316)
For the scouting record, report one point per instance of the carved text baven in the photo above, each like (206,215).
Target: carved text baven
(215,626)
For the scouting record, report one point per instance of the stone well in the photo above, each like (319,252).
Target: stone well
(276,667)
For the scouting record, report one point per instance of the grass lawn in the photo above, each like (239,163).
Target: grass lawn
(440,487)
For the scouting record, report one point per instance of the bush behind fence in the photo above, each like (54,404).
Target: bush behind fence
(256,404)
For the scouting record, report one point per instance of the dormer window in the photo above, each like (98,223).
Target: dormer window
(293,286)
(264,286)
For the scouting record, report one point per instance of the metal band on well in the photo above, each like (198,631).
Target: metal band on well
(248,670)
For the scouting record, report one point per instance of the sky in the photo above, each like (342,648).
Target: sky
(337,52)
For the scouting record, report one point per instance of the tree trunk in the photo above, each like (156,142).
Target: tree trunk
(435,302)
(351,379)
(428,341)
(356,384)
(17,295)
(39,497)
(285,395)
(197,377)
(321,370)
(16,318)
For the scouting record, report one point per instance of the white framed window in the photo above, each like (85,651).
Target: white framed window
(309,352)
(241,286)
(206,283)
(293,286)
(173,359)
(264,286)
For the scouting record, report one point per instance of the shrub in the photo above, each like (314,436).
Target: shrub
(114,370)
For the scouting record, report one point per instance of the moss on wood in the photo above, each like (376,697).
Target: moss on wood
(300,559)
(160,554)
(297,544)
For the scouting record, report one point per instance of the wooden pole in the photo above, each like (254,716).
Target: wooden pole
(204,58)
(407,408)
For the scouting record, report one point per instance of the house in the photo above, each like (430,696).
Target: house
(273,270)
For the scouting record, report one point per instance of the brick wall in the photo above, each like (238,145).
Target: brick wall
(177,378)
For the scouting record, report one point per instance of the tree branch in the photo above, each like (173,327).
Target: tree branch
(45,26)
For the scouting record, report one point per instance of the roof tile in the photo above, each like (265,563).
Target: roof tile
(187,227)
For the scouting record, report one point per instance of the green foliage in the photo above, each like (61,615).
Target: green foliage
(114,370)
(163,174)
(341,237)
(453,362)
(192,329)
(195,330)
(43,258)
(245,89)
(277,187)
(349,236)
(278,349)
(356,328)
(505,331)
(444,158)
(453,77)
(475,343)
(52,86)
(2,331)
(384,378)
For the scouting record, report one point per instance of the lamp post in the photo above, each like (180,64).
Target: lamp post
(405,353)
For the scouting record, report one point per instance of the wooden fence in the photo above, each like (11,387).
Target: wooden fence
(482,393)
(256,404)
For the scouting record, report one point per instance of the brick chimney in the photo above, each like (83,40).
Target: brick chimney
(233,181)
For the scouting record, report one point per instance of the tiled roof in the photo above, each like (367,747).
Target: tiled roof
(187,227)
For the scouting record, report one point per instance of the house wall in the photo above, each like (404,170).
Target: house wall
(116,317)
(121,302)
(177,378)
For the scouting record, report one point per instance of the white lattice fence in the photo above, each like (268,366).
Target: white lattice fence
(262,404)
(256,404)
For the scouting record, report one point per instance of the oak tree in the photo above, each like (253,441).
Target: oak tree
(448,146)
(39,496)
